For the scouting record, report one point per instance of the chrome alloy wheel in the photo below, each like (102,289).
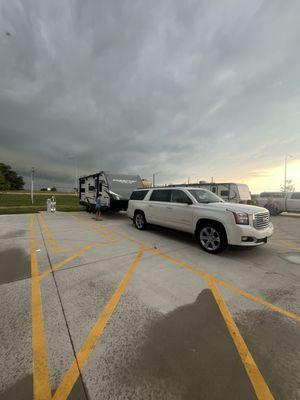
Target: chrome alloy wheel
(139,221)
(210,238)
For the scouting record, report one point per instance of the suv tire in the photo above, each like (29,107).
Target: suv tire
(212,237)
(139,221)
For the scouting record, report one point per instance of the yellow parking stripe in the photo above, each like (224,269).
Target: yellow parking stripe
(261,388)
(65,261)
(200,272)
(82,356)
(258,300)
(48,234)
(288,244)
(41,377)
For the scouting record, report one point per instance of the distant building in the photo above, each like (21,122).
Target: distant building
(146,183)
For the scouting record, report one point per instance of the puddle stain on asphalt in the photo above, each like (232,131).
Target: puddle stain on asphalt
(291,256)
(22,389)
(14,265)
(77,392)
(191,348)
(12,234)
(280,294)
(274,342)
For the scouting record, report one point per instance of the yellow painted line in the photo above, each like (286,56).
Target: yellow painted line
(48,234)
(65,261)
(93,225)
(258,300)
(41,377)
(228,285)
(286,243)
(260,386)
(82,356)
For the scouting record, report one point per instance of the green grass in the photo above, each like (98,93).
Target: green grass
(13,203)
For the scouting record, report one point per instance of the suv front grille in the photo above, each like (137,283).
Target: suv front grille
(261,220)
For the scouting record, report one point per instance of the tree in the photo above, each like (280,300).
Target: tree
(289,186)
(53,189)
(9,179)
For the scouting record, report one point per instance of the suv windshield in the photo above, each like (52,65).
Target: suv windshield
(204,196)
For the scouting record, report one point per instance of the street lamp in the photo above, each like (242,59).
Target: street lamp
(32,179)
(285,169)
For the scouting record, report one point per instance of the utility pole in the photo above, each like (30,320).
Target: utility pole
(153,178)
(32,179)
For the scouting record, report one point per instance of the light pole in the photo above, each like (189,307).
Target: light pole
(153,178)
(32,179)
(74,158)
(285,169)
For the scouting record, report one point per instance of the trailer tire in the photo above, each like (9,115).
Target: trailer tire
(139,221)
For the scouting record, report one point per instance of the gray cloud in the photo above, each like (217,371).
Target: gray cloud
(191,88)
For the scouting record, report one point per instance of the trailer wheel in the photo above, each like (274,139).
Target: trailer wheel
(139,221)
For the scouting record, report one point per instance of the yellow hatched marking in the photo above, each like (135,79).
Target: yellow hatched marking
(41,377)
(261,388)
(65,261)
(82,356)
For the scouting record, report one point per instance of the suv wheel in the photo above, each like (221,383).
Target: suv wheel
(212,238)
(139,221)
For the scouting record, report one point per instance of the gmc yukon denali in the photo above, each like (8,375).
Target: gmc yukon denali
(215,223)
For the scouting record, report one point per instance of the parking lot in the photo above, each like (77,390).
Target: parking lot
(98,310)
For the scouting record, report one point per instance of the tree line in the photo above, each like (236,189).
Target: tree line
(9,179)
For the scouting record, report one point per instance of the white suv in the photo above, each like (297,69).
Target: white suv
(199,211)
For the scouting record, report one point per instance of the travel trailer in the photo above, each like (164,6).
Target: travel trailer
(114,189)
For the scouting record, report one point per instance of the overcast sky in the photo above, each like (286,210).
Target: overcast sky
(186,88)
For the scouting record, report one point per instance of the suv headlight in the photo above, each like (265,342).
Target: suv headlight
(241,218)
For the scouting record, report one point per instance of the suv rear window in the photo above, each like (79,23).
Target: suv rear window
(178,196)
(161,195)
(138,194)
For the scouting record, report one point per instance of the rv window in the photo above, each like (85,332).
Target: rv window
(138,194)
(100,186)
(82,190)
(161,195)
(225,193)
(91,188)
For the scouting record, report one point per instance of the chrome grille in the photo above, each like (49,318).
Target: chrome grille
(261,220)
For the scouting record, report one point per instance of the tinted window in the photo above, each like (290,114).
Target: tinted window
(225,193)
(138,195)
(295,195)
(91,188)
(205,196)
(82,190)
(178,196)
(161,195)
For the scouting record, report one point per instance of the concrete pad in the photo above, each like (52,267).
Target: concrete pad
(166,337)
